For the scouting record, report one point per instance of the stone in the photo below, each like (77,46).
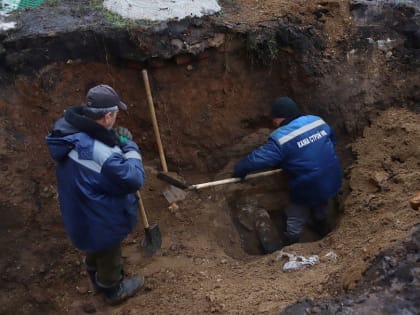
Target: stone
(89,308)
(415,201)
(217,40)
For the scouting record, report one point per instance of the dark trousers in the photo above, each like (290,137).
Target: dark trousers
(298,216)
(107,263)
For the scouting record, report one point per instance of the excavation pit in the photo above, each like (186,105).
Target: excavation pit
(212,81)
(258,216)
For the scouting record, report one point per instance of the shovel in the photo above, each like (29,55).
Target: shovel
(177,191)
(152,238)
(173,205)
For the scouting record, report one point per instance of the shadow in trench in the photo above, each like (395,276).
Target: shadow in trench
(259,218)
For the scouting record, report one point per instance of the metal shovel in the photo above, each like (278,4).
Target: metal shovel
(152,238)
(177,191)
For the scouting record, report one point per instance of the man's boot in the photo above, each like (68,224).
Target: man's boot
(267,232)
(322,227)
(122,290)
(91,271)
(288,240)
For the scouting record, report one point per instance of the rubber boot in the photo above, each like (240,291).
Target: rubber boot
(122,290)
(91,271)
(289,240)
(267,232)
(321,227)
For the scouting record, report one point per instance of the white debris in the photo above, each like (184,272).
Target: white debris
(384,44)
(4,26)
(331,256)
(160,10)
(297,262)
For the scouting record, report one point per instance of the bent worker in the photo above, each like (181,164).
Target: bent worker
(304,147)
(98,173)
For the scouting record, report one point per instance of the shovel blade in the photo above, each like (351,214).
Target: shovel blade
(152,240)
(173,194)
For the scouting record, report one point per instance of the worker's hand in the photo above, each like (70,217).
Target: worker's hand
(240,175)
(240,170)
(123,134)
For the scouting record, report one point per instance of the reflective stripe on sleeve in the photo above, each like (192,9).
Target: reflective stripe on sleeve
(132,155)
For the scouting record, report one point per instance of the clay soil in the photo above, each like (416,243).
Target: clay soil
(203,266)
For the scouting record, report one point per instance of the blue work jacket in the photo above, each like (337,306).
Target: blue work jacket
(304,148)
(97,186)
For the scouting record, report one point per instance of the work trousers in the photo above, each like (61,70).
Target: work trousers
(107,263)
(298,215)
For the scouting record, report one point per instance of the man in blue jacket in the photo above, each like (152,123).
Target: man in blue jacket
(98,173)
(304,147)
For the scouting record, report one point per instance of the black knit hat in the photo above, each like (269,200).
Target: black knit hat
(284,107)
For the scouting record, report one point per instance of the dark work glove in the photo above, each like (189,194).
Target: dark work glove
(241,169)
(240,175)
(123,134)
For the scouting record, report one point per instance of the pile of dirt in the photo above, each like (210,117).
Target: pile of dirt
(390,286)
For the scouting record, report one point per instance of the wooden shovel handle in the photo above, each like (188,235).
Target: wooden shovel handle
(155,125)
(154,120)
(143,211)
(232,180)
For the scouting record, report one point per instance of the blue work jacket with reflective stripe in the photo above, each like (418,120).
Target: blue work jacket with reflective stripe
(304,148)
(97,187)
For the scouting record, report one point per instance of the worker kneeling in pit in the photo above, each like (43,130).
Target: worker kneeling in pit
(304,147)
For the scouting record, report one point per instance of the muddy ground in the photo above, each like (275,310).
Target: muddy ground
(211,94)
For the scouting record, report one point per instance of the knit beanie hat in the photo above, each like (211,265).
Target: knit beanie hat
(284,107)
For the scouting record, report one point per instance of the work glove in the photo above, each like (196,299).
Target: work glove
(240,170)
(123,134)
(238,174)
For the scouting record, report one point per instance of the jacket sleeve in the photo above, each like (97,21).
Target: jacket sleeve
(332,137)
(125,172)
(266,156)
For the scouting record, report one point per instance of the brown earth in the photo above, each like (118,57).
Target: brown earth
(210,114)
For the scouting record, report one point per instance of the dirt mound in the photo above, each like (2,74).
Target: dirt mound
(390,286)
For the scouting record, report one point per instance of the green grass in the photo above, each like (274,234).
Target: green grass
(96,4)
(262,46)
(117,20)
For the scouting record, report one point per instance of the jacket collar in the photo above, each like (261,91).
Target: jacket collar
(288,120)
(74,116)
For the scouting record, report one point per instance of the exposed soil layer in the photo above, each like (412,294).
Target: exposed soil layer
(211,90)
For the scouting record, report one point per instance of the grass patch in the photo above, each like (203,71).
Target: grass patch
(96,4)
(117,20)
(263,47)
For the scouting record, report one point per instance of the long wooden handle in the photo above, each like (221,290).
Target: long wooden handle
(143,211)
(233,179)
(154,120)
